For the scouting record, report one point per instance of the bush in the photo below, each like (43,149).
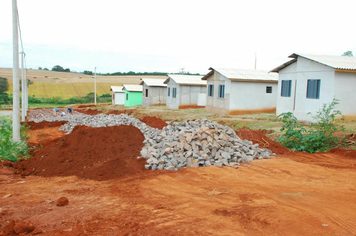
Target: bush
(10,150)
(318,138)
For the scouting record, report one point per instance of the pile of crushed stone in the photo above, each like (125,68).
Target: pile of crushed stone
(92,145)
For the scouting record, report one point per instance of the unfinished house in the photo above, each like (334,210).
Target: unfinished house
(133,94)
(118,95)
(154,92)
(306,82)
(235,91)
(185,91)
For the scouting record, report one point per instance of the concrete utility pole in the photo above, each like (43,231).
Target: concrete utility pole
(23,88)
(95,86)
(16,77)
(26,90)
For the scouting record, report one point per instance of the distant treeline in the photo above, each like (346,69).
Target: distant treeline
(88,72)
(144,73)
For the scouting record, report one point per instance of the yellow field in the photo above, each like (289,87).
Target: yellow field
(49,84)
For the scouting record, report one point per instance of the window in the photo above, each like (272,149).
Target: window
(127,96)
(313,88)
(268,89)
(211,90)
(169,92)
(286,88)
(146,93)
(174,92)
(221,91)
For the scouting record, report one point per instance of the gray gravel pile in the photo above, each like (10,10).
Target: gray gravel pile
(198,143)
(178,145)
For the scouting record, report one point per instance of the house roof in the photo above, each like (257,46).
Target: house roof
(116,89)
(186,79)
(153,82)
(132,87)
(234,74)
(336,62)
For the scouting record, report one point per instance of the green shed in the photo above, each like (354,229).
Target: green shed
(133,94)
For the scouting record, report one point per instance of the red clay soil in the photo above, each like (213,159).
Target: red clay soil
(290,194)
(257,136)
(88,111)
(44,124)
(154,122)
(190,106)
(93,153)
(44,132)
(118,112)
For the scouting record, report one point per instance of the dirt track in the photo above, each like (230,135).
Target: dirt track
(290,194)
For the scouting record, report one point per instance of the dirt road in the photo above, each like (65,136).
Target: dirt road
(290,194)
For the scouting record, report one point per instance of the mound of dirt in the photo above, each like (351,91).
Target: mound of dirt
(89,111)
(118,112)
(257,136)
(94,153)
(154,122)
(45,124)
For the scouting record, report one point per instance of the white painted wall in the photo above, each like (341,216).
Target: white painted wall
(118,98)
(345,91)
(239,95)
(299,72)
(252,95)
(172,102)
(215,104)
(156,95)
(186,94)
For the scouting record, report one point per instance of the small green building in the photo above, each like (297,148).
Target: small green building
(133,94)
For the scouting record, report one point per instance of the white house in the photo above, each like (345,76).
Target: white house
(235,91)
(185,91)
(154,92)
(308,81)
(118,95)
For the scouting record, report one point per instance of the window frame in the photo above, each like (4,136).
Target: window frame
(269,89)
(211,90)
(174,92)
(285,92)
(221,93)
(313,89)
(169,91)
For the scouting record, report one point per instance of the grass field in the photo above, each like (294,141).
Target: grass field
(50,84)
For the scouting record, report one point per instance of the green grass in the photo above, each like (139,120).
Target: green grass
(10,150)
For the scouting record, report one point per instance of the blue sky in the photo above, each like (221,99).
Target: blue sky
(159,35)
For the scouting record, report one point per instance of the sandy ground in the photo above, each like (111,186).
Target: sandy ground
(290,194)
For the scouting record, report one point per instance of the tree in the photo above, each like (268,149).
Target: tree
(347,54)
(67,70)
(45,68)
(57,68)
(39,68)
(4,85)
(88,72)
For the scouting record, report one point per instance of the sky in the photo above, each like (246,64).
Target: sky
(166,36)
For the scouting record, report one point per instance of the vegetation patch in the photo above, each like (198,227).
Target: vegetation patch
(320,136)
(10,150)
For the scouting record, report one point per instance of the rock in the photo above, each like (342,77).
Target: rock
(62,201)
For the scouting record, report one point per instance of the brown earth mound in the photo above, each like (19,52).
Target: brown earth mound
(94,153)
(45,124)
(89,111)
(154,122)
(257,136)
(118,112)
